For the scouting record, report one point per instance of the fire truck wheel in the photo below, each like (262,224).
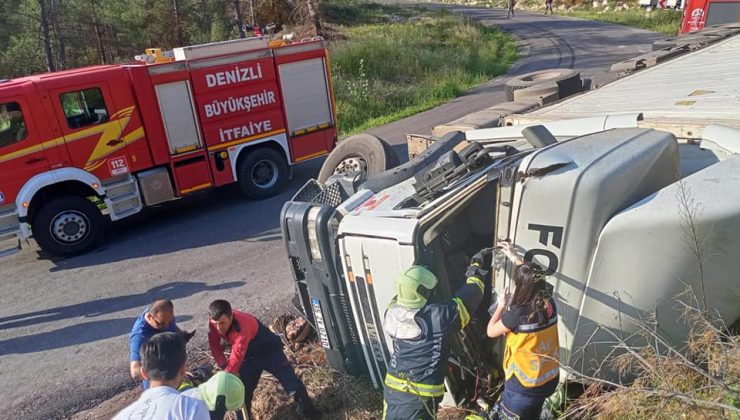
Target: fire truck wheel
(568,81)
(361,152)
(262,173)
(68,225)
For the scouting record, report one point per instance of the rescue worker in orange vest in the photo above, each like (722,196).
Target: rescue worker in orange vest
(530,322)
(421,332)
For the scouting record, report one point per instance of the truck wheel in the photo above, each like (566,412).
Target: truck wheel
(68,225)
(359,153)
(568,81)
(262,173)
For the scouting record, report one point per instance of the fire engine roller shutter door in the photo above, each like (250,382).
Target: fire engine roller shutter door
(305,94)
(178,115)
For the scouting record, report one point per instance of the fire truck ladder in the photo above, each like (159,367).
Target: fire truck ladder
(122,196)
(10,227)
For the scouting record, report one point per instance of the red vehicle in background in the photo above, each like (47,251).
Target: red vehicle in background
(698,14)
(82,146)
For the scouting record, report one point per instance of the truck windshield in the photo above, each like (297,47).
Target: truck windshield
(451,239)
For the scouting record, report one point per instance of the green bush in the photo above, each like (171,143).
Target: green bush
(401,65)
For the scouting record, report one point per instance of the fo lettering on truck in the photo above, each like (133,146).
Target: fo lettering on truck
(123,137)
(586,187)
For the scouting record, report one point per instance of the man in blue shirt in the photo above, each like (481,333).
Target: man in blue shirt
(157,318)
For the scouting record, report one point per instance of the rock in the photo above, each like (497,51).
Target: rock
(297,330)
(595,4)
(605,2)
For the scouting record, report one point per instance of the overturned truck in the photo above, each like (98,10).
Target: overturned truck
(597,189)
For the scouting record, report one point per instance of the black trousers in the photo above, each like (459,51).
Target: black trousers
(278,365)
(399,405)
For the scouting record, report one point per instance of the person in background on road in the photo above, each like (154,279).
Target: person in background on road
(531,353)
(548,6)
(163,359)
(254,348)
(421,333)
(510,11)
(157,318)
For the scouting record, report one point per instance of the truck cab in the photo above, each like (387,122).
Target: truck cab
(586,209)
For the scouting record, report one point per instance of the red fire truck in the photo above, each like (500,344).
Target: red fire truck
(700,13)
(83,146)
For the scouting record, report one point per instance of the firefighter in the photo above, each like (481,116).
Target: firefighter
(421,333)
(529,320)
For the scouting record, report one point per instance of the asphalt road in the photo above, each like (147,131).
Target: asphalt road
(64,323)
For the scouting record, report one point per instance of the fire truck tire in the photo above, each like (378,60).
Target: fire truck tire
(568,81)
(361,152)
(68,225)
(262,173)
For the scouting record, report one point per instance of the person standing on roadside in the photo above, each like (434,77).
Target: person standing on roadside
(159,317)
(254,348)
(163,360)
(529,320)
(548,6)
(510,11)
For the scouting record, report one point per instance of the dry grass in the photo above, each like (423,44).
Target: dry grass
(336,395)
(701,381)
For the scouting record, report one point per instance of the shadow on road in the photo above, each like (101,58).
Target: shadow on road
(93,308)
(209,218)
(70,336)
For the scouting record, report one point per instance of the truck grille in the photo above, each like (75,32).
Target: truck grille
(372,332)
(315,192)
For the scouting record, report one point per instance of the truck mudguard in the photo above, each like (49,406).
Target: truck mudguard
(25,195)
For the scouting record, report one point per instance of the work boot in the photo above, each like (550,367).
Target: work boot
(305,405)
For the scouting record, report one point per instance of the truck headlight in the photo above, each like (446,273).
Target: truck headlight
(313,241)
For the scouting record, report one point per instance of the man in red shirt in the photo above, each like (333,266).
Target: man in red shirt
(254,348)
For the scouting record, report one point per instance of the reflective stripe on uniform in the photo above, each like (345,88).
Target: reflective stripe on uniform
(478,282)
(526,380)
(536,327)
(415,388)
(462,311)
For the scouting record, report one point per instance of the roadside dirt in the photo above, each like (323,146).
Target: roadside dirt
(336,395)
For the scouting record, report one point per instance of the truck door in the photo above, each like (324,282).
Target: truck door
(99,122)
(22,153)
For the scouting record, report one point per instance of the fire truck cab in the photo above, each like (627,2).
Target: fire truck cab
(82,146)
(699,14)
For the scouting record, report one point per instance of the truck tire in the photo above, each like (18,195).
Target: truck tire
(568,81)
(68,225)
(262,173)
(361,152)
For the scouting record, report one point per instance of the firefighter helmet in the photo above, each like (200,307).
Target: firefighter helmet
(223,384)
(414,286)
